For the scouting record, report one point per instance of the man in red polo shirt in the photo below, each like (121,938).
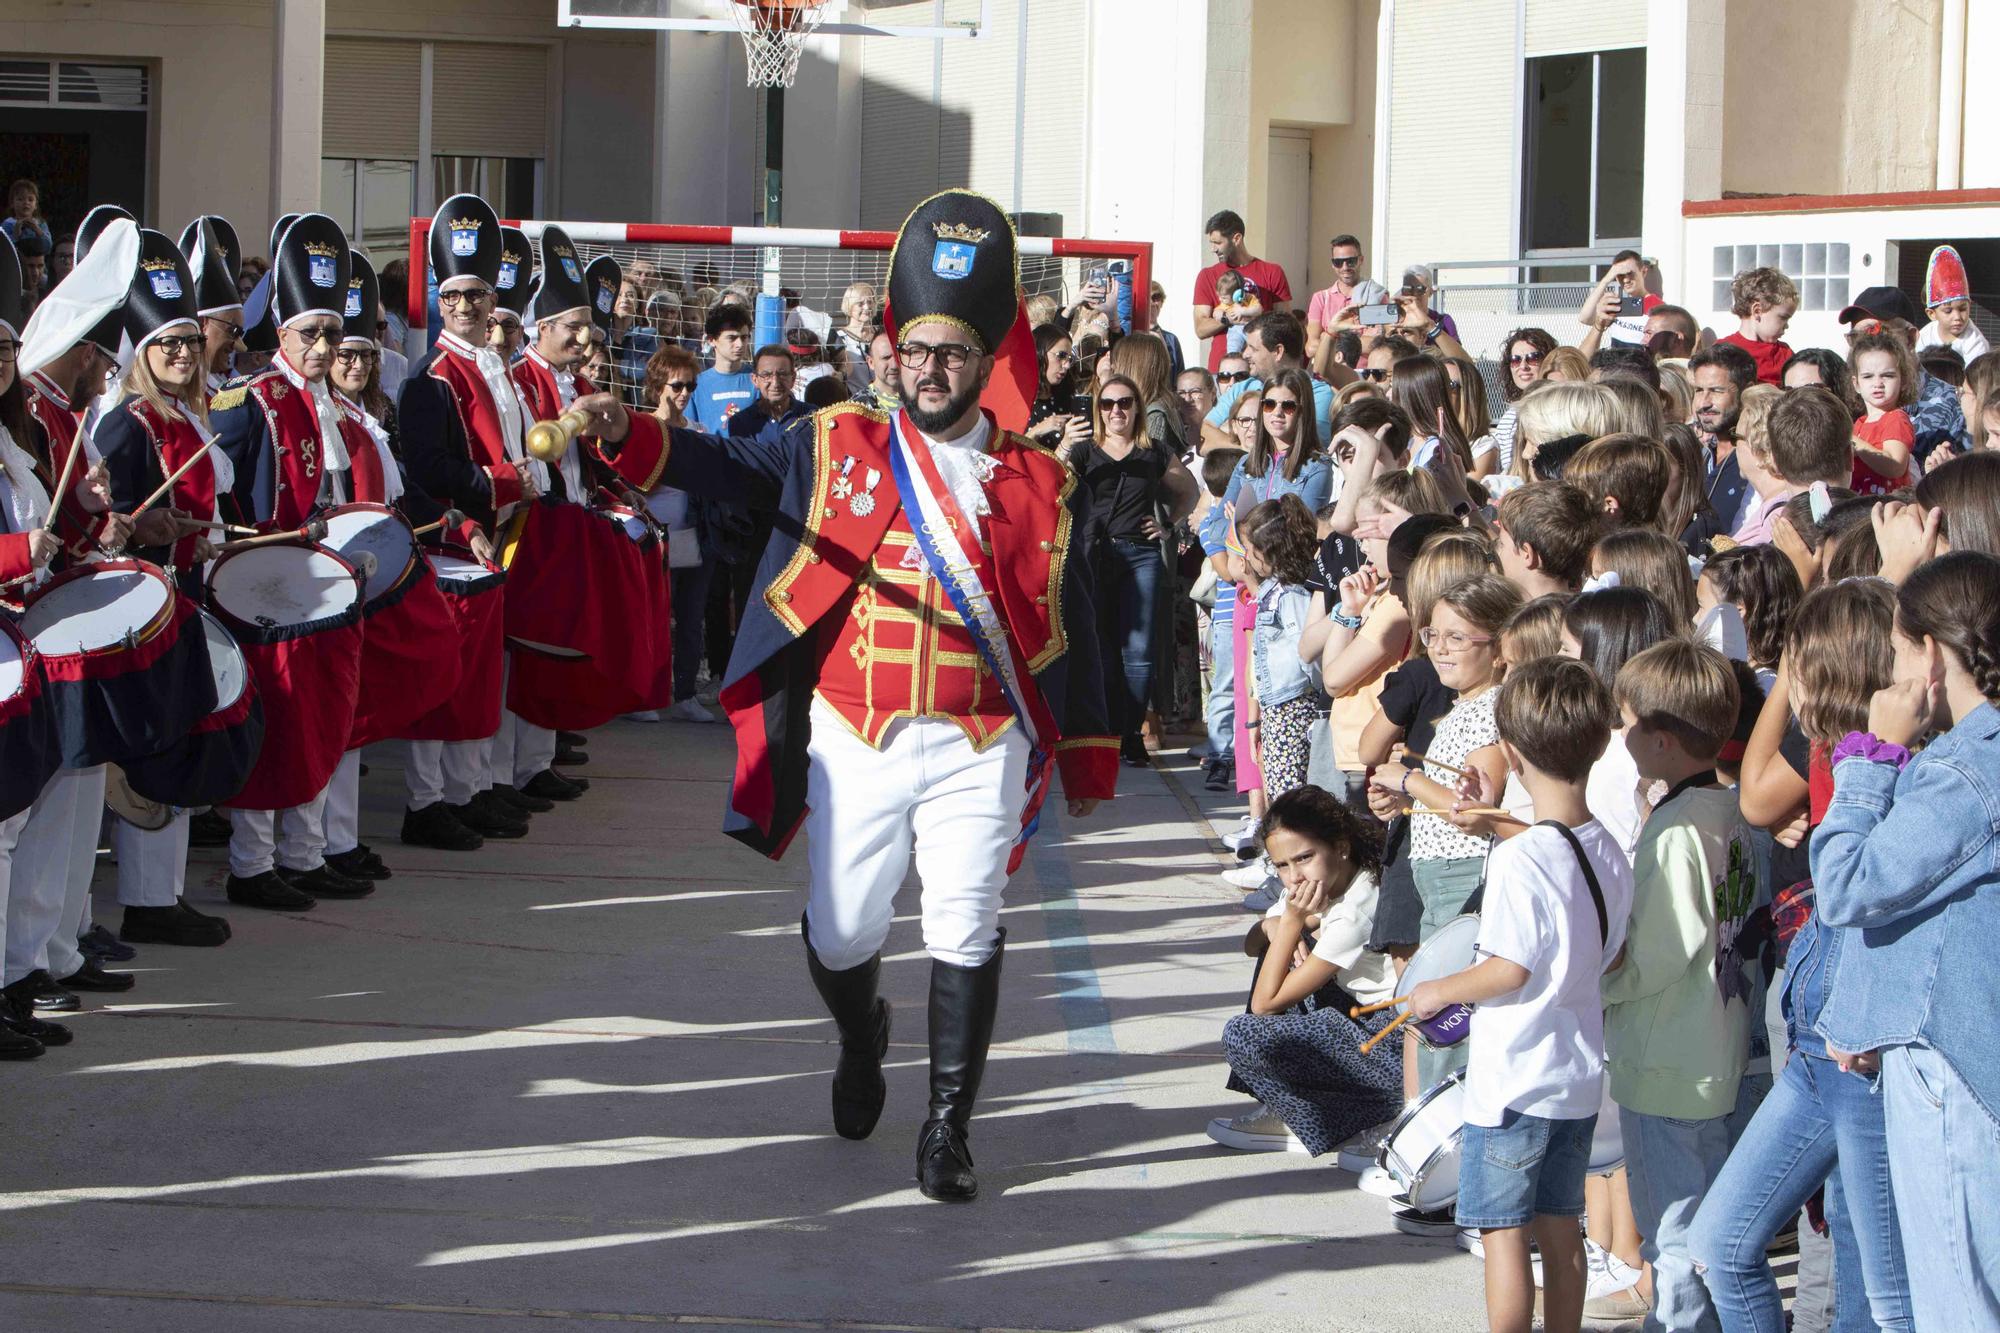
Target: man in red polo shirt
(1263,287)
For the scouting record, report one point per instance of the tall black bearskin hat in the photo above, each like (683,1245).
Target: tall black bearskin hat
(162,294)
(955,261)
(309,270)
(363,308)
(93,225)
(562,285)
(278,231)
(465,241)
(517,266)
(215,260)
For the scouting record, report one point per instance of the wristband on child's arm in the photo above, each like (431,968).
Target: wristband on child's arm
(1342,619)
(1866,745)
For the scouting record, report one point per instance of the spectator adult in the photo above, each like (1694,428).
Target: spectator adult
(62,259)
(670,383)
(726,387)
(1233,370)
(1286,456)
(1272,344)
(1138,491)
(1349,287)
(33,248)
(253,268)
(1419,285)
(1060,414)
(1195,388)
(1936,419)
(1155,307)
(1825,367)
(1378,363)
(1264,281)
(880,395)
(775,372)
(862,309)
(1720,375)
(1671,333)
(1474,412)
(1615,312)
(1520,365)
(394,281)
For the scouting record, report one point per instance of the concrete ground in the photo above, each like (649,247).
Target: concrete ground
(580,1080)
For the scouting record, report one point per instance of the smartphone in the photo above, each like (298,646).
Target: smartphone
(1119,266)
(1098,274)
(1375,315)
(1632,305)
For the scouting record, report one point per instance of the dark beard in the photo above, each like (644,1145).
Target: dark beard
(936,423)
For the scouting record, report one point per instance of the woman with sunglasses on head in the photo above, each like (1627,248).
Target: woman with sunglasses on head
(1521,365)
(1134,484)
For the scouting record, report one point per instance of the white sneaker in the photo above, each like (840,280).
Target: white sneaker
(643,715)
(1242,833)
(1250,875)
(1606,1275)
(1358,1153)
(1261,1130)
(1262,898)
(690,710)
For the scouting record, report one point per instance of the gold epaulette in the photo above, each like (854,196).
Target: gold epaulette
(226,398)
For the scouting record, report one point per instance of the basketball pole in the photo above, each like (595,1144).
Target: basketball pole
(770,320)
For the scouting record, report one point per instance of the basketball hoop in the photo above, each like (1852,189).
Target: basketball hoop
(774,36)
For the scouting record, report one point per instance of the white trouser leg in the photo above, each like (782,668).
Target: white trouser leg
(926,791)
(423,774)
(253,842)
(152,863)
(11,829)
(302,835)
(60,955)
(500,758)
(41,863)
(534,751)
(343,806)
(467,768)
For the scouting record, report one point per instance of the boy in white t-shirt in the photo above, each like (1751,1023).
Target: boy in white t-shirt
(1556,900)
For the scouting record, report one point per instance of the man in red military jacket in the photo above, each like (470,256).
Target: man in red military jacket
(917,658)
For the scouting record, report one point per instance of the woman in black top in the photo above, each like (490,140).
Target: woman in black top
(1060,417)
(1137,491)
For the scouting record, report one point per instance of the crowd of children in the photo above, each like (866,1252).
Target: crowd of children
(1699,720)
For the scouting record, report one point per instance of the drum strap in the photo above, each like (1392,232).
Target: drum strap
(1589,877)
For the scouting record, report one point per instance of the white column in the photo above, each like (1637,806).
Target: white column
(1951,96)
(1684,85)
(298,60)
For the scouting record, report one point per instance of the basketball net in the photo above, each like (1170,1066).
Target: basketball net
(774,36)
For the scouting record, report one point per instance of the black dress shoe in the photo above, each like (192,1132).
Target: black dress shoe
(39,992)
(490,821)
(323,881)
(92,977)
(270,891)
(944,1164)
(359,863)
(553,786)
(18,1017)
(187,910)
(571,738)
(210,828)
(569,756)
(520,800)
(171,925)
(101,944)
(18,1045)
(436,826)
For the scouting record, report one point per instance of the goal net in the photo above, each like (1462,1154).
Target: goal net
(677,274)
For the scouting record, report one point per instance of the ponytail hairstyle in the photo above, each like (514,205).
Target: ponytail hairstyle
(1314,812)
(1950,600)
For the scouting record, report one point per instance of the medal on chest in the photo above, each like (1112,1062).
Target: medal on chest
(860,503)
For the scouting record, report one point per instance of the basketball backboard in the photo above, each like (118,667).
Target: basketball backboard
(853,18)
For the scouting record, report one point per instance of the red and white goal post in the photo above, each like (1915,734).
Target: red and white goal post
(815,266)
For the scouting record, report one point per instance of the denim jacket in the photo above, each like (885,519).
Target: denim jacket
(1912,859)
(1313,485)
(1274,644)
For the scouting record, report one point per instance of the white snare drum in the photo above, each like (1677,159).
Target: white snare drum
(375,540)
(1450,950)
(462,577)
(272,586)
(1421,1152)
(111,607)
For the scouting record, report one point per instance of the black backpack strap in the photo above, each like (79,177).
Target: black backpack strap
(1589,877)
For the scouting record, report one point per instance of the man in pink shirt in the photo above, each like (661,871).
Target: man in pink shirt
(1349,288)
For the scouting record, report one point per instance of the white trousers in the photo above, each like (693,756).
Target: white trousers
(10,838)
(152,863)
(293,839)
(53,864)
(534,751)
(450,771)
(342,825)
(926,796)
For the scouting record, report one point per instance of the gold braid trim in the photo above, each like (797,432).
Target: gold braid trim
(1058,560)
(816,510)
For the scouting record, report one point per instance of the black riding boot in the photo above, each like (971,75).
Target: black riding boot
(963,1003)
(863,1020)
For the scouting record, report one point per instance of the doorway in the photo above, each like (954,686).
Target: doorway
(1288,209)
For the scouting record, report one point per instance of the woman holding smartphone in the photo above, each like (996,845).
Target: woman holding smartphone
(1060,417)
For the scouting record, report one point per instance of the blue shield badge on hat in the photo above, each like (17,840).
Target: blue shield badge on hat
(320,268)
(166,284)
(465,237)
(509,272)
(604,298)
(569,267)
(953,259)
(352,310)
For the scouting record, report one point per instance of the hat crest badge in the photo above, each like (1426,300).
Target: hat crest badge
(165,281)
(464,236)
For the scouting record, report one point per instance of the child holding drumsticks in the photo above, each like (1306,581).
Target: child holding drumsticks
(1557,896)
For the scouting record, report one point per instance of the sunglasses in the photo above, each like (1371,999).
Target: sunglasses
(319,333)
(1231,376)
(234,331)
(1117,404)
(1525,359)
(681,386)
(1350,261)
(1272,405)
(476,295)
(1376,376)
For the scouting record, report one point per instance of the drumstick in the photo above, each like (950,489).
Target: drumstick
(62,482)
(168,484)
(1376,1040)
(311,532)
(1457,772)
(452,518)
(1359,1010)
(1486,810)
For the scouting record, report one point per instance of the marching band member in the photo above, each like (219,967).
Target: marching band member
(209,243)
(462,423)
(160,425)
(918,653)
(295,450)
(512,290)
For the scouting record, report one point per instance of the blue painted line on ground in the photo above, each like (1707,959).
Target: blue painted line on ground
(1085,1014)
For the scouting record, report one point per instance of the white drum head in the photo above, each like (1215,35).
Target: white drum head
(386,538)
(1448,951)
(1436,1183)
(95,611)
(1427,1126)
(457,569)
(283,585)
(225,662)
(13,670)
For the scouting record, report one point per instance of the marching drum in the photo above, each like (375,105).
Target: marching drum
(1449,950)
(126,676)
(218,756)
(410,662)
(29,752)
(295,610)
(1421,1151)
(474,595)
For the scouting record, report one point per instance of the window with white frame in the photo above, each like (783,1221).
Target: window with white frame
(1583,150)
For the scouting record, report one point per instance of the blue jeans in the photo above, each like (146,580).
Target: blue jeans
(1222,679)
(690,597)
(1816,1119)
(1670,1164)
(1944,1155)
(1128,582)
